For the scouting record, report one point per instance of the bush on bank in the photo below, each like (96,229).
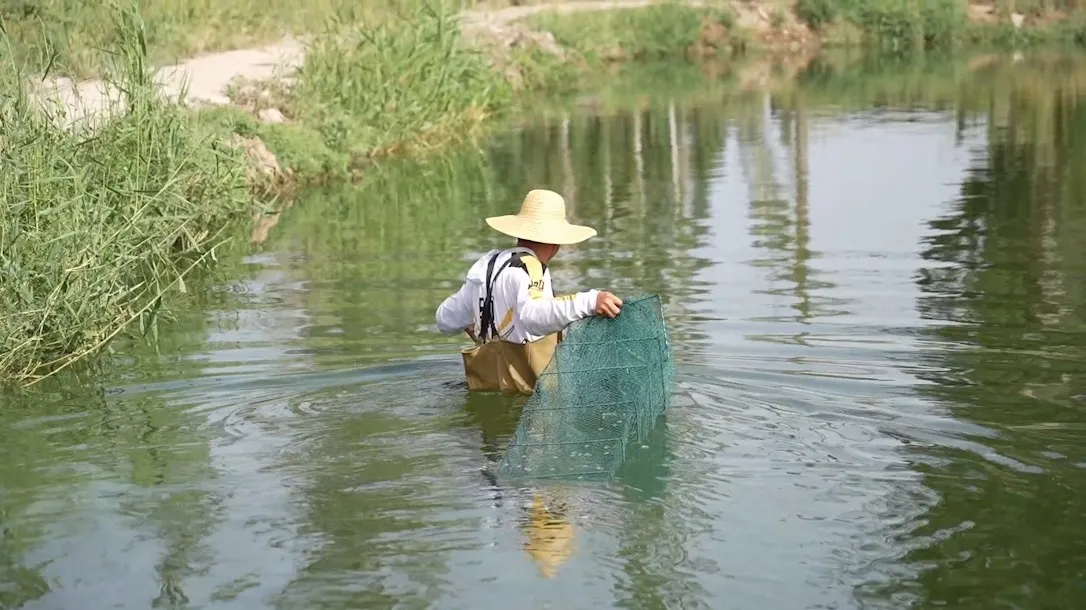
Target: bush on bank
(918,25)
(670,30)
(99,228)
(408,84)
(69,34)
(675,29)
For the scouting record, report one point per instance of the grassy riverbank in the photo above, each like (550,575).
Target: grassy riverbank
(98,229)
(403,86)
(903,25)
(69,34)
(664,31)
(675,30)
(103,228)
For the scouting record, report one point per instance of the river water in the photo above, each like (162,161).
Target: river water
(874,277)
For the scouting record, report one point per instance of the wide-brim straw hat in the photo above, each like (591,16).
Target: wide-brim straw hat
(542,219)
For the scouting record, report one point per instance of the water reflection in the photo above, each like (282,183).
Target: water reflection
(633,178)
(1003,263)
(873,283)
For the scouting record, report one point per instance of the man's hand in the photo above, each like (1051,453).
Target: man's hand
(608,305)
(471,333)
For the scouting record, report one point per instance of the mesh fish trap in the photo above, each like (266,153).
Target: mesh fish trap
(609,381)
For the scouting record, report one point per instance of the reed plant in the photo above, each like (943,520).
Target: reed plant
(894,25)
(98,228)
(407,84)
(72,32)
(667,30)
(943,25)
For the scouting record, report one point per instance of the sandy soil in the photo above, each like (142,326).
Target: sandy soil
(203,80)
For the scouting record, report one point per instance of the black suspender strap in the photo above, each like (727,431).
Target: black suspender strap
(486,306)
(487,329)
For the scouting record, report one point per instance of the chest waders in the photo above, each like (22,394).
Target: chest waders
(495,364)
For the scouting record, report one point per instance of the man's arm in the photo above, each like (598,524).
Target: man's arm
(456,313)
(540,315)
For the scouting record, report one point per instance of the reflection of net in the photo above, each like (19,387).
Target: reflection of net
(608,383)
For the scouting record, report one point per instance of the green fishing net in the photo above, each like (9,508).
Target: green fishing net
(608,383)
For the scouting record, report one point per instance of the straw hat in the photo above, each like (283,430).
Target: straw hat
(542,219)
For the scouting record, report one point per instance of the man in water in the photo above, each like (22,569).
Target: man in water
(507,306)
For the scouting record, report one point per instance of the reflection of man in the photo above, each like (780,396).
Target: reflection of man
(550,537)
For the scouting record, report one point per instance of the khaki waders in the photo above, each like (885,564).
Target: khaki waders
(494,364)
(503,366)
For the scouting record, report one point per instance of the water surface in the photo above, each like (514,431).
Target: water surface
(874,281)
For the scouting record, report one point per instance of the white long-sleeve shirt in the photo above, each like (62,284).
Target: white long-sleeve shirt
(522,312)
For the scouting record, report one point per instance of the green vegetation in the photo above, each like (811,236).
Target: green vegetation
(405,85)
(664,31)
(677,30)
(101,227)
(911,25)
(893,24)
(71,34)
(98,228)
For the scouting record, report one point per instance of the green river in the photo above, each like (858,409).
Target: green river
(875,279)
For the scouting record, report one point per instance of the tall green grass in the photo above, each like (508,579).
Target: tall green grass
(919,25)
(896,25)
(662,31)
(99,228)
(71,33)
(407,84)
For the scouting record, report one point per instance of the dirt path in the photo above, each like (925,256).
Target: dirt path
(206,79)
